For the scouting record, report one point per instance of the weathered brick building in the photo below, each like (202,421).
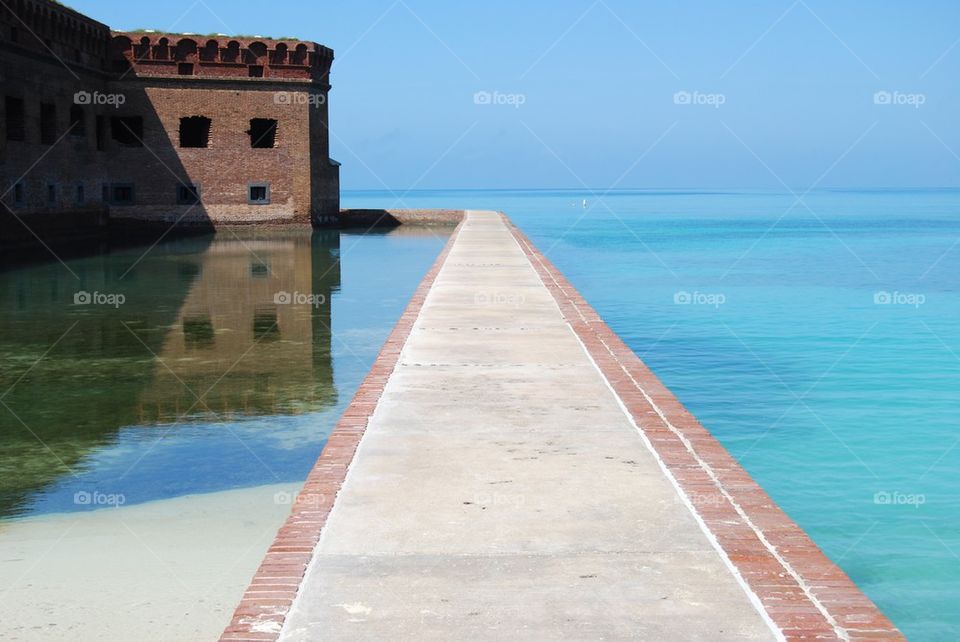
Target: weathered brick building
(101,125)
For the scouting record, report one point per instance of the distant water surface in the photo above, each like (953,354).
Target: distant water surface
(818,340)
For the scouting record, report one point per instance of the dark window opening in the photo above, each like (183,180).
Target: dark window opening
(188,194)
(105,193)
(81,195)
(16,119)
(121,194)
(256,71)
(259,270)
(48,123)
(78,124)
(198,332)
(77,56)
(194,131)
(14,34)
(258,194)
(263,133)
(265,324)
(185,68)
(51,195)
(101,133)
(19,195)
(127,130)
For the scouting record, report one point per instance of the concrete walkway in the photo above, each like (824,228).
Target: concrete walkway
(501,491)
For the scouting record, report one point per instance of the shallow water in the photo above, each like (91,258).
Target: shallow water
(819,341)
(189,371)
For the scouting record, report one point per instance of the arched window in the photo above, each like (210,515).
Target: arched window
(210,52)
(187,50)
(300,55)
(162,50)
(231,53)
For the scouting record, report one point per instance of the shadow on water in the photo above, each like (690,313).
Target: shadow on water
(202,331)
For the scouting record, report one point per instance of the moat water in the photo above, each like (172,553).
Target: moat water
(819,344)
(159,408)
(200,365)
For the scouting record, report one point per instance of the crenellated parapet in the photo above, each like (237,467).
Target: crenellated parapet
(49,29)
(162,54)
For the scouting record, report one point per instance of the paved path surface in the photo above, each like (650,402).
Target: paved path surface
(501,491)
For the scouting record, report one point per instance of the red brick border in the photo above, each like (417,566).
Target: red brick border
(804,594)
(267,601)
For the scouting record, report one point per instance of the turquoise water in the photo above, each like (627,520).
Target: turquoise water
(820,345)
(185,374)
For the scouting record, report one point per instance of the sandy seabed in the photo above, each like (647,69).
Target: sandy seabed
(167,570)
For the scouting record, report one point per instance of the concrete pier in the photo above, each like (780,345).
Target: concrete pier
(512,471)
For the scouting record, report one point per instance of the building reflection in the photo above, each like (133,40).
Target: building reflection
(209,329)
(252,335)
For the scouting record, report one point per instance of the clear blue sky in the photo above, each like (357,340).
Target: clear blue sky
(597,79)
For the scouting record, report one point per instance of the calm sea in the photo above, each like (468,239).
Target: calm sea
(818,340)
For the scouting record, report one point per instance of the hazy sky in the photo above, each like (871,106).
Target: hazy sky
(586,92)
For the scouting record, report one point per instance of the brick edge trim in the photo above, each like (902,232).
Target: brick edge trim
(804,594)
(265,604)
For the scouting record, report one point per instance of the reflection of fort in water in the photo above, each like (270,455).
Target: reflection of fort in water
(253,334)
(202,318)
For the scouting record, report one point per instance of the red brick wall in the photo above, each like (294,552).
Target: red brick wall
(80,58)
(225,168)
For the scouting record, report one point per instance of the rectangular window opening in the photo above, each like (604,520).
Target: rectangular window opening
(19,195)
(255,71)
(198,332)
(81,195)
(48,123)
(195,131)
(101,133)
(188,194)
(185,68)
(127,130)
(263,133)
(78,121)
(121,194)
(258,194)
(16,119)
(266,326)
(51,195)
